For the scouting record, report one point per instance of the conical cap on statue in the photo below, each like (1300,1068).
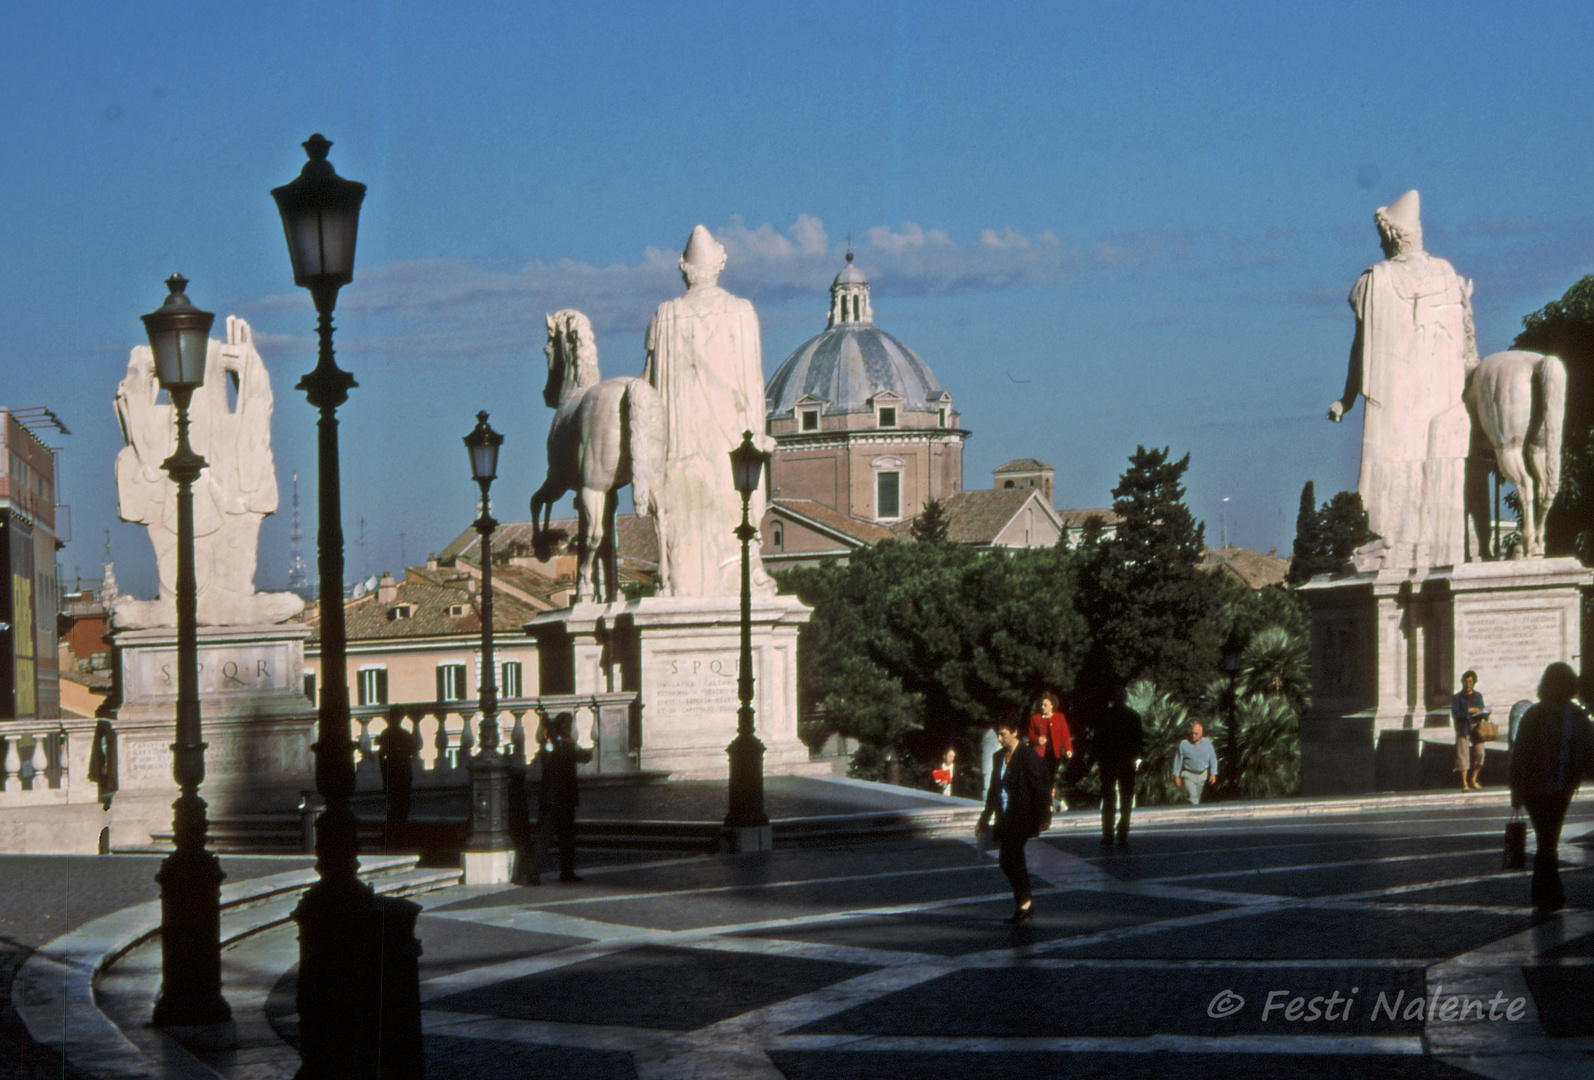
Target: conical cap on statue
(702,249)
(1405,213)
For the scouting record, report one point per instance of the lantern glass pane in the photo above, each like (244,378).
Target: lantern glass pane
(484,461)
(195,344)
(338,228)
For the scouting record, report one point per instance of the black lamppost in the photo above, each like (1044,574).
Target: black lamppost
(489,772)
(190,877)
(359,990)
(745,751)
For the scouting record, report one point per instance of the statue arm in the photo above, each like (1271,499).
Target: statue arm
(1358,345)
(1353,379)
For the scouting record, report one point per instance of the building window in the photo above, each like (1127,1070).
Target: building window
(309,686)
(888,502)
(777,537)
(943,418)
(372,686)
(401,611)
(888,416)
(810,419)
(511,679)
(450,682)
(456,610)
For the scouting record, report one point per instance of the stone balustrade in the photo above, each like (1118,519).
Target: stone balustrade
(449,732)
(33,763)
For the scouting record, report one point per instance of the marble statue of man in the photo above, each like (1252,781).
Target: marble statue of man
(235,491)
(703,357)
(1409,362)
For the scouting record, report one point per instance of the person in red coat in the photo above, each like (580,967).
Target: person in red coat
(1048,734)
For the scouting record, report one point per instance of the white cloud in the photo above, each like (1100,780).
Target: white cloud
(483,313)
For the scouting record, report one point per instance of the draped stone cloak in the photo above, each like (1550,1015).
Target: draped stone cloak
(705,360)
(1414,315)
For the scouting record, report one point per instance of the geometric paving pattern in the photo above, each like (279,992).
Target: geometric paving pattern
(1236,950)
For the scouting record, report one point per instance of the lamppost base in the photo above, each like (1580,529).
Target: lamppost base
(489,867)
(190,994)
(741,840)
(490,848)
(359,985)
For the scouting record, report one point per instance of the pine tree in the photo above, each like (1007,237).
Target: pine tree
(1148,602)
(932,524)
(1342,529)
(1308,539)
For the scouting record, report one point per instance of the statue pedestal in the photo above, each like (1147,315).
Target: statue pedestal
(1388,650)
(256,721)
(681,654)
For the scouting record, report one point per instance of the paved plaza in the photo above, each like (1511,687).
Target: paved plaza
(1322,944)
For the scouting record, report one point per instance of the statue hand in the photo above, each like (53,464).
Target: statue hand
(1336,411)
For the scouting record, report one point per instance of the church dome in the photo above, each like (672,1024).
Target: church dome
(853,362)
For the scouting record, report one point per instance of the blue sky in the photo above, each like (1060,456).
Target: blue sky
(1100,224)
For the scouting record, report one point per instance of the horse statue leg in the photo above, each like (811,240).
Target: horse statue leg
(590,501)
(607,553)
(1544,445)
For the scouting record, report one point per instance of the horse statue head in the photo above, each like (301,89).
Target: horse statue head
(572,355)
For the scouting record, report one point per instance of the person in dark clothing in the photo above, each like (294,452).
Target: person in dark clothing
(1552,754)
(557,798)
(1020,802)
(1119,743)
(395,751)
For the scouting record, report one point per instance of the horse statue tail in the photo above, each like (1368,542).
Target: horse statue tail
(645,420)
(1550,374)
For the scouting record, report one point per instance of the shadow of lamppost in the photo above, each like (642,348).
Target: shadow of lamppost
(359,985)
(490,846)
(190,877)
(746,821)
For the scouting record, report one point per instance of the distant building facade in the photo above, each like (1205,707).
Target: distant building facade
(29,675)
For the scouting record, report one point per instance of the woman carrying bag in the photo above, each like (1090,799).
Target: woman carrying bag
(1020,802)
(1553,753)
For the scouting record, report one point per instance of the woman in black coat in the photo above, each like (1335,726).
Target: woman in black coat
(1020,802)
(1552,753)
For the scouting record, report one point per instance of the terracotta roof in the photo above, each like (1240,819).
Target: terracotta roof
(1075,519)
(430,597)
(813,513)
(1027,464)
(637,538)
(1252,567)
(978,516)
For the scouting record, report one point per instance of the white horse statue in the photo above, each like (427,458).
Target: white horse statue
(1518,402)
(604,436)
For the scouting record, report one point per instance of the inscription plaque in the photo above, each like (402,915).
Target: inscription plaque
(697,683)
(1511,648)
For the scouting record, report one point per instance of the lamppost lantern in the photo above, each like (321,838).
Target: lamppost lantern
(483,443)
(179,336)
(747,465)
(321,217)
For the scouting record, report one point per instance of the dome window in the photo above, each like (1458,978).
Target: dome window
(810,419)
(888,416)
